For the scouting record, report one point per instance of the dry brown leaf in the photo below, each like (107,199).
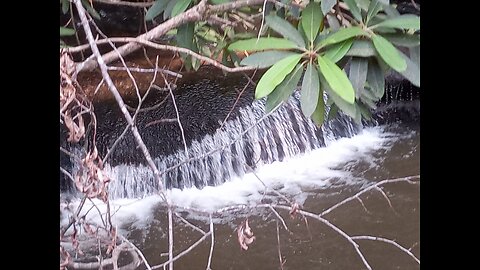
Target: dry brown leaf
(245,235)
(293,211)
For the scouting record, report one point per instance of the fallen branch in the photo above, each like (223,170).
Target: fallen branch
(381,239)
(163,47)
(196,13)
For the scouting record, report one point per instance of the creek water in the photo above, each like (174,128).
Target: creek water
(316,180)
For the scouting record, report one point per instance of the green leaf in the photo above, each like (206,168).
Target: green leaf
(285,89)
(244,35)
(275,75)
(65,6)
(91,10)
(318,115)
(312,20)
(362,48)
(368,98)
(185,39)
(363,4)
(415,55)
(235,58)
(358,74)
(332,112)
(391,11)
(66,31)
(352,5)
(284,28)
(337,79)
(346,107)
(389,53)
(157,8)
(333,23)
(263,43)
(341,35)
(338,51)
(403,39)
(412,72)
(364,111)
(168,9)
(374,7)
(218,2)
(185,35)
(406,21)
(180,7)
(264,59)
(310,90)
(376,78)
(327,5)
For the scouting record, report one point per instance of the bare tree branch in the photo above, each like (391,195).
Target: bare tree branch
(165,48)
(402,179)
(196,13)
(116,94)
(381,239)
(335,228)
(147,70)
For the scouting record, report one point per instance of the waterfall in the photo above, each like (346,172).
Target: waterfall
(242,144)
(219,152)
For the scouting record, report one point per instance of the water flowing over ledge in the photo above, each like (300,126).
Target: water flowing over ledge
(249,138)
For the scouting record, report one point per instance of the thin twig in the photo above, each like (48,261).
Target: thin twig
(189,224)
(165,48)
(211,245)
(138,251)
(181,254)
(219,148)
(263,19)
(280,217)
(130,75)
(381,239)
(363,205)
(147,70)
(134,115)
(116,94)
(238,98)
(386,198)
(178,116)
(161,121)
(335,228)
(67,174)
(196,13)
(279,251)
(170,239)
(401,179)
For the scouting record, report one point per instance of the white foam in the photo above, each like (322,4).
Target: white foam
(292,177)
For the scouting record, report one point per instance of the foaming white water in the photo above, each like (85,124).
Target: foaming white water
(293,177)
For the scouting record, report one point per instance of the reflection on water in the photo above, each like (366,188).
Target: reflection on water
(316,180)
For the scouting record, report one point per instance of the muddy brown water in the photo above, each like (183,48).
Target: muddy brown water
(311,245)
